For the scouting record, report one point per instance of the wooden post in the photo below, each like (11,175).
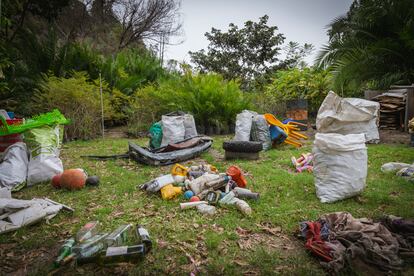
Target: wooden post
(102,109)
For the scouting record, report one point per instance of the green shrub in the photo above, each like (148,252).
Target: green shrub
(78,99)
(307,83)
(213,101)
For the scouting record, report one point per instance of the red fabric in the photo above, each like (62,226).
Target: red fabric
(8,140)
(314,242)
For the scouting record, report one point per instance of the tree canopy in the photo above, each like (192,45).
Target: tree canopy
(372,45)
(250,53)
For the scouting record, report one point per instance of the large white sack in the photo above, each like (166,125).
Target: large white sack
(339,165)
(173,129)
(244,122)
(13,169)
(348,116)
(44,162)
(260,131)
(190,127)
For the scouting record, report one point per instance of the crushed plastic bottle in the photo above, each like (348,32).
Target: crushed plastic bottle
(198,184)
(158,183)
(245,193)
(206,209)
(243,207)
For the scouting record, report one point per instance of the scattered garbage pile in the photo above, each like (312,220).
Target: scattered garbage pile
(303,163)
(340,240)
(91,246)
(348,116)
(256,132)
(34,156)
(204,188)
(403,170)
(16,213)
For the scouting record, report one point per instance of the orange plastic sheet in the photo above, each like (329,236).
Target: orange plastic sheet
(291,129)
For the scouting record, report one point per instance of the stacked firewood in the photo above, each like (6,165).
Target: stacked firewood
(392,109)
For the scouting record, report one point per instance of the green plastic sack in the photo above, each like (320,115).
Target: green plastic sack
(155,135)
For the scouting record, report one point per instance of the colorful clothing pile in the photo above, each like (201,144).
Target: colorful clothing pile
(340,240)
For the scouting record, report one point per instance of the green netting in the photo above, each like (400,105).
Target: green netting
(49,118)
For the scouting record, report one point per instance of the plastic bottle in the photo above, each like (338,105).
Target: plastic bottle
(87,231)
(245,193)
(229,198)
(197,185)
(64,251)
(158,183)
(206,209)
(119,236)
(243,207)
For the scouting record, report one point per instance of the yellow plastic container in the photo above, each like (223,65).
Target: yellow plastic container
(170,192)
(179,169)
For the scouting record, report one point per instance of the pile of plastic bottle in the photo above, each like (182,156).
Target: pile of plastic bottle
(303,163)
(204,188)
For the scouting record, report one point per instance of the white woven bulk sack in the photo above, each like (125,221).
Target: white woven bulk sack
(190,126)
(244,122)
(348,116)
(339,165)
(173,129)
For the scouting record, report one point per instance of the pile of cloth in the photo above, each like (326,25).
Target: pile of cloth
(340,240)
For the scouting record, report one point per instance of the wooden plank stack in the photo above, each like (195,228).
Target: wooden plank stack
(392,109)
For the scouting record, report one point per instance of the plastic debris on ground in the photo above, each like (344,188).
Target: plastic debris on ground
(204,188)
(404,170)
(91,245)
(16,213)
(340,240)
(303,163)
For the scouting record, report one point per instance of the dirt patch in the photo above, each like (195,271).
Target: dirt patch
(394,137)
(271,238)
(116,132)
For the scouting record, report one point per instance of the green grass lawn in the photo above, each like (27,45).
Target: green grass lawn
(186,241)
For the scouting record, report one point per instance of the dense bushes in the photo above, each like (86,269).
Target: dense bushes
(213,101)
(307,83)
(79,100)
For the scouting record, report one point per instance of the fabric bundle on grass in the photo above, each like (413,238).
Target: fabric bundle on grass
(339,240)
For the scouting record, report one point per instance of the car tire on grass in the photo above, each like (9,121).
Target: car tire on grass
(242,146)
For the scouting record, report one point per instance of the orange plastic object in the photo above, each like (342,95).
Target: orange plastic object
(291,129)
(236,174)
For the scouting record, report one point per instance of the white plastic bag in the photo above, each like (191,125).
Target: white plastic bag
(348,116)
(13,169)
(260,132)
(173,129)
(190,127)
(339,165)
(244,125)
(394,166)
(44,162)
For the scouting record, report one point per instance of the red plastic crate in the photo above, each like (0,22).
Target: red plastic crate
(8,140)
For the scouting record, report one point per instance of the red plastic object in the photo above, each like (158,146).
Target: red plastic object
(194,199)
(8,140)
(237,175)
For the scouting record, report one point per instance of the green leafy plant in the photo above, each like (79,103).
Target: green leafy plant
(310,84)
(78,98)
(213,101)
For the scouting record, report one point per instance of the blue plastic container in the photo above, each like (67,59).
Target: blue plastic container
(277,135)
(11,114)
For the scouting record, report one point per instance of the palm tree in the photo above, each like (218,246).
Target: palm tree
(371,46)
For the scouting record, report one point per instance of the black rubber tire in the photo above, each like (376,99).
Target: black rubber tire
(242,146)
